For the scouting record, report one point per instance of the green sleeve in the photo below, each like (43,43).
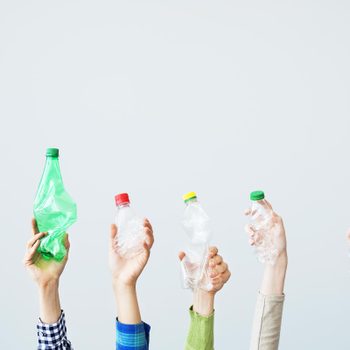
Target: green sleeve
(201,333)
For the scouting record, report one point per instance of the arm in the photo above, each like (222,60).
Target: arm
(201,331)
(46,273)
(132,333)
(269,307)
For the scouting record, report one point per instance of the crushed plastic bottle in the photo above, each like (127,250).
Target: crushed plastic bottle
(260,216)
(195,270)
(131,234)
(54,209)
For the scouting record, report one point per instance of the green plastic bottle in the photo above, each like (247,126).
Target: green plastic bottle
(54,209)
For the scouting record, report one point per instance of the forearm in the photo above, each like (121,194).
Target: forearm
(127,305)
(274,276)
(269,308)
(132,333)
(49,302)
(201,332)
(203,302)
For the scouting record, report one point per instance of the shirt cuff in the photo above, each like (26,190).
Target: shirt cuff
(132,336)
(277,298)
(54,335)
(195,314)
(201,332)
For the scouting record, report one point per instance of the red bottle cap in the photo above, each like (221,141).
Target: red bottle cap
(122,198)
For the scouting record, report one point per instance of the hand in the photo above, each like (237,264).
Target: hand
(274,275)
(125,271)
(219,274)
(217,270)
(43,271)
(46,273)
(275,225)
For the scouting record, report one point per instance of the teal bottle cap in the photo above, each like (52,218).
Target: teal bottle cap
(52,152)
(257,195)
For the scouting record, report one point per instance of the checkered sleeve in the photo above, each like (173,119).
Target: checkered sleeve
(132,336)
(53,336)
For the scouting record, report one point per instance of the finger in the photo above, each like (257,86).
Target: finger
(149,240)
(216,260)
(277,219)
(249,229)
(37,237)
(247,211)
(114,232)
(251,241)
(66,242)
(268,204)
(181,255)
(146,249)
(147,224)
(226,276)
(212,252)
(34,248)
(217,286)
(219,269)
(216,280)
(31,254)
(35,229)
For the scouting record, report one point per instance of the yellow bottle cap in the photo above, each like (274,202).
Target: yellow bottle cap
(190,195)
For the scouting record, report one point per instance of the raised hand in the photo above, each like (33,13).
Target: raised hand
(274,274)
(275,226)
(127,270)
(218,274)
(46,274)
(42,271)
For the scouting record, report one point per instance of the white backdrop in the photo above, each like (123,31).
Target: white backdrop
(158,98)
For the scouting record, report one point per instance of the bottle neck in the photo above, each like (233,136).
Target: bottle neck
(191,201)
(52,165)
(51,160)
(258,202)
(123,205)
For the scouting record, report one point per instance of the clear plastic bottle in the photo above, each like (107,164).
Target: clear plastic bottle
(131,235)
(260,215)
(195,263)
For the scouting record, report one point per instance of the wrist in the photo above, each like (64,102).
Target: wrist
(122,287)
(203,302)
(48,285)
(281,262)
(126,300)
(49,300)
(274,276)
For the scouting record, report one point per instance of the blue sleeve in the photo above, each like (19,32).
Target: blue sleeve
(132,336)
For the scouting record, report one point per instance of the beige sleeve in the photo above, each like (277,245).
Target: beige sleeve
(267,322)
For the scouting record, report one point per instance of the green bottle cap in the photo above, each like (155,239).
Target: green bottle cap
(257,195)
(52,152)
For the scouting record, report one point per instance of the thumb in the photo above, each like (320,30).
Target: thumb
(114,232)
(66,242)
(181,255)
(266,204)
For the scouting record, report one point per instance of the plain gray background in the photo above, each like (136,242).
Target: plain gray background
(158,98)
